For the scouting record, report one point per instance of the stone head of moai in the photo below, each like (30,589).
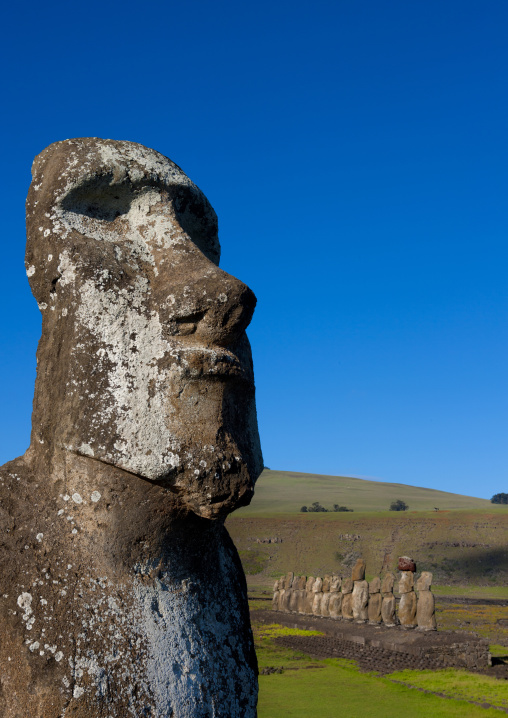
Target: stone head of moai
(144,438)
(144,363)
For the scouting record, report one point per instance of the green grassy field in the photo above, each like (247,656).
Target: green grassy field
(309,688)
(283,492)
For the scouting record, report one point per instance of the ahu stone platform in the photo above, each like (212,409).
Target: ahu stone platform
(380,648)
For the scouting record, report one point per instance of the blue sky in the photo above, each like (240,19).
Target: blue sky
(356,155)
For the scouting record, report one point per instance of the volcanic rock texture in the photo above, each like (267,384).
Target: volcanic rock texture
(122,593)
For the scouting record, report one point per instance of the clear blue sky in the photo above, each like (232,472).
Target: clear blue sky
(356,154)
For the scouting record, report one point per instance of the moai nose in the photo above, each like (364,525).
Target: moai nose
(203,301)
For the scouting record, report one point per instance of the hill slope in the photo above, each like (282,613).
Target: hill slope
(284,492)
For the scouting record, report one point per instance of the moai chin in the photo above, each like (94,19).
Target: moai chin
(120,584)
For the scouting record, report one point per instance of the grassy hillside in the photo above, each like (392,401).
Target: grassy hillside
(463,544)
(286,491)
(459,547)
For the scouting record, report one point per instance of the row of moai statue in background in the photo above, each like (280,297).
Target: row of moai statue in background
(355,599)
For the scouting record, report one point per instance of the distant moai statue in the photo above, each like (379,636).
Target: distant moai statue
(309,595)
(347,599)
(317,590)
(426,606)
(388,605)
(375,601)
(407,604)
(335,605)
(325,601)
(360,596)
(121,586)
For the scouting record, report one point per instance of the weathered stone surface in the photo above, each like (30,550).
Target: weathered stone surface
(301,583)
(406,564)
(335,584)
(358,573)
(301,602)
(424,582)
(114,558)
(327,579)
(335,605)
(347,606)
(426,611)
(388,583)
(276,586)
(374,608)
(317,586)
(293,601)
(285,600)
(316,604)
(275,601)
(309,601)
(388,609)
(375,585)
(325,603)
(406,582)
(289,580)
(407,610)
(310,583)
(347,585)
(360,600)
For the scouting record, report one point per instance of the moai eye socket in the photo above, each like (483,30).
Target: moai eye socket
(99,200)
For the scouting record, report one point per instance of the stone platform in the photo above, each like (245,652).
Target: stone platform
(381,649)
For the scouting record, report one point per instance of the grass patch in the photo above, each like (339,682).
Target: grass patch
(253,561)
(499,592)
(338,688)
(498,651)
(481,618)
(309,688)
(458,684)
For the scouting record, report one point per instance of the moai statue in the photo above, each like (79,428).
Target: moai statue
(347,599)
(375,601)
(325,604)
(121,587)
(288,592)
(358,573)
(296,593)
(317,590)
(309,595)
(325,600)
(302,594)
(426,606)
(360,600)
(327,579)
(335,584)
(276,594)
(388,605)
(407,604)
(282,592)
(293,601)
(335,605)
